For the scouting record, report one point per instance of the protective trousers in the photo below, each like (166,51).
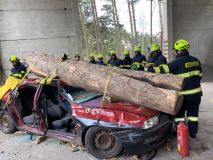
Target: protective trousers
(190,106)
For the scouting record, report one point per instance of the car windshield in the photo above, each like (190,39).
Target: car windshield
(80,95)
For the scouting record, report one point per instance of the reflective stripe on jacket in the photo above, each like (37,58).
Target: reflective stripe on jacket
(188,67)
(138,62)
(19,70)
(126,63)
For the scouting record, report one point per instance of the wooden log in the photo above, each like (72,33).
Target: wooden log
(94,78)
(167,81)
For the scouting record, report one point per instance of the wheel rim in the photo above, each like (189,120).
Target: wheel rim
(5,121)
(104,141)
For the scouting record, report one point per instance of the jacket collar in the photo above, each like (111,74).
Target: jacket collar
(183,54)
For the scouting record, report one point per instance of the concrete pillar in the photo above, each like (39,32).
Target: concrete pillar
(167,29)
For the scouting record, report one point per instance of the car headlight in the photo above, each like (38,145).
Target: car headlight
(150,122)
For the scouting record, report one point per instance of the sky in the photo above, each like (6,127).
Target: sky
(142,14)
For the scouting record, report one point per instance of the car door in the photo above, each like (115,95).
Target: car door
(39,110)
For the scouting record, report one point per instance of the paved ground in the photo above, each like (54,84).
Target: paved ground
(20,147)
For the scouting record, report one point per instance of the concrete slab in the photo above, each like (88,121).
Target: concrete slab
(51,26)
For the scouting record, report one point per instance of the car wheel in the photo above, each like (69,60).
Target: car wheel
(6,123)
(101,144)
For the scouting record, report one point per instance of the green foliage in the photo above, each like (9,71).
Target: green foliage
(107,29)
(144,41)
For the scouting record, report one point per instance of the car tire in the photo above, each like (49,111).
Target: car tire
(7,124)
(101,144)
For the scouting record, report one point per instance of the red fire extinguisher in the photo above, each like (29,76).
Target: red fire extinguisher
(182,138)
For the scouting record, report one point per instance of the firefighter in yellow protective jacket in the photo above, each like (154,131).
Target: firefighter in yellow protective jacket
(188,67)
(18,70)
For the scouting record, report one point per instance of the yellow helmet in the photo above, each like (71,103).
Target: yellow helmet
(100,56)
(126,52)
(137,48)
(112,52)
(91,56)
(181,44)
(13,58)
(154,47)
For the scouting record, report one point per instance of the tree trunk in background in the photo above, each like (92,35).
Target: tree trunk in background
(117,27)
(131,26)
(94,78)
(120,49)
(151,34)
(161,23)
(134,22)
(96,28)
(84,31)
(115,23)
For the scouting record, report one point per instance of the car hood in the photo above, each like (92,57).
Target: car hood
(119,106)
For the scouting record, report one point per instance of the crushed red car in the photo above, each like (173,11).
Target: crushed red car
(78,116)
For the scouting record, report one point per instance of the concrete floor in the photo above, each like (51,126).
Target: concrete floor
(20,147)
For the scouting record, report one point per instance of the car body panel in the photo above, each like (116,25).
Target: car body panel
(119,112)
(123,119)
(145,140)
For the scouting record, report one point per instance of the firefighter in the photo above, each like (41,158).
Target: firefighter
(114,60)
(139,60)
(77,57)
(188,67)
(100,60)
(151,57)
(65,57)
(92,59)
(18,70)
(126,63)
(156,58)
(150,60)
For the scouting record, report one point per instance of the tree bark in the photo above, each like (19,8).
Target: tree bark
(93,77)
(131,26)
(167,81)
(96,27)
(161,22)
(151,34)
(117,28)
(134,22)
(83,30)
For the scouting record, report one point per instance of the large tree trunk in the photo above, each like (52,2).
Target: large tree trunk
(166,81)
(93,77)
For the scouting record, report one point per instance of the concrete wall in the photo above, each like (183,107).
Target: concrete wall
(50,26)
(193,20)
